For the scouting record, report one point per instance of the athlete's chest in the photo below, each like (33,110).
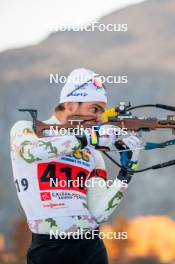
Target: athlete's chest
(68,172)
(84,158)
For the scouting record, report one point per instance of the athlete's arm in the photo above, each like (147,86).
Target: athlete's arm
(28,146)
(103,196)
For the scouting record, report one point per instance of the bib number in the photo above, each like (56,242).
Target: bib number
(55,175)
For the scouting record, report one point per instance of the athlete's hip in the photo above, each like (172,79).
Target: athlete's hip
(44,250)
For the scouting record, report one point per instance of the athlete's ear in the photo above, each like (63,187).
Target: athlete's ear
(71,107)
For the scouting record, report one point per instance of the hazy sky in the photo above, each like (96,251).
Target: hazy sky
(24,22)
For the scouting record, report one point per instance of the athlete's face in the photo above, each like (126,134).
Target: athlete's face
(95,109)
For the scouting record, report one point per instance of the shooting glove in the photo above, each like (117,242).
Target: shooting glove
(129,159)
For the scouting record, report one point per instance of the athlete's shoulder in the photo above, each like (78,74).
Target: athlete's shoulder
(21,126)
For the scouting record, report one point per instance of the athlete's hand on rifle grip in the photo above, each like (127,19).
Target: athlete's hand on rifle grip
(129,159)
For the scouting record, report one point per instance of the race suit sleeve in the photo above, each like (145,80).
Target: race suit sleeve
(29,147)
(103,195)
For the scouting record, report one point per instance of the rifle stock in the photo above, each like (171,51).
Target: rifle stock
(132,123)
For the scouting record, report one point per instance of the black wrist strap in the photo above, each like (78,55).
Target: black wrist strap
(124,175)
(83,140)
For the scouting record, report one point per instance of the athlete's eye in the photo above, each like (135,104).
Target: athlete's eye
(94,110)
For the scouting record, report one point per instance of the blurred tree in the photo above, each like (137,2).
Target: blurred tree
(146,260)
(1,246)
(117,246)
(21,238)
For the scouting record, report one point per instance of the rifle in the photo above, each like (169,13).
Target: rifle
(122,117)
